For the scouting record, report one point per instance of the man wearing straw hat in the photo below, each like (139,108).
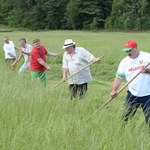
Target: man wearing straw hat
(74,59)
(38,64)
(138,93)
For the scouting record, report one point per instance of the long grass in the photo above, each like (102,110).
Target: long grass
(34,117)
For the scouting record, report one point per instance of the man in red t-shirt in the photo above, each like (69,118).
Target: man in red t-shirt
(38,65)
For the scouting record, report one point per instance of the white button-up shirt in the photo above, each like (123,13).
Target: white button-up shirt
(76,62)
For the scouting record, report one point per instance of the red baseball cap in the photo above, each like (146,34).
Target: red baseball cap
(129,45)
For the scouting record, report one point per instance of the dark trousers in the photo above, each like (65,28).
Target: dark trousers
(9,61)
(132,104)
(77,90)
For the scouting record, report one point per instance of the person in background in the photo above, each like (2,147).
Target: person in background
(38,64)
(9,49)
(74,59)
(25,50)
(138,93)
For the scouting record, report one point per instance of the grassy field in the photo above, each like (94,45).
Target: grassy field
(33,117)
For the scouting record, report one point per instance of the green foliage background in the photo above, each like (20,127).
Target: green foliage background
(76,14)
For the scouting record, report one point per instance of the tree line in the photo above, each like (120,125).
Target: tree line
(76,14)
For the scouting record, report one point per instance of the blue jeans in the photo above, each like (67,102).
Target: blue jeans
(132,104)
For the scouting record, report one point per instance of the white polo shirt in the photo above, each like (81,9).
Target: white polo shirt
(76,62)
(9,48)
(128,68)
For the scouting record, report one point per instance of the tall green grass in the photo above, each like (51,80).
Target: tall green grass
(34,117)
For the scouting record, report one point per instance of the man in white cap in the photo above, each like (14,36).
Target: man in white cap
(138,93)
(74,59)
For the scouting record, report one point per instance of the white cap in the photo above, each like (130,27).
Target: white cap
(68,43)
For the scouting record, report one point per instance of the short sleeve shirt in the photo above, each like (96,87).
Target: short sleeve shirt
(9,48)
(76,62)
(128,68)
(36,54)
(27,49)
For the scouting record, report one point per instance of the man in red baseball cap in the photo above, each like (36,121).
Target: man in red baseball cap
(131,48)
(129,45)
(138,93)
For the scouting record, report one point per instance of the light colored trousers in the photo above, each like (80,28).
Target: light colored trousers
(24,67)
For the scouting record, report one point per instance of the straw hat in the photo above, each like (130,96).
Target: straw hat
(68,43)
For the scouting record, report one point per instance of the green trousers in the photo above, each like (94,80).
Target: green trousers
(39,75)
